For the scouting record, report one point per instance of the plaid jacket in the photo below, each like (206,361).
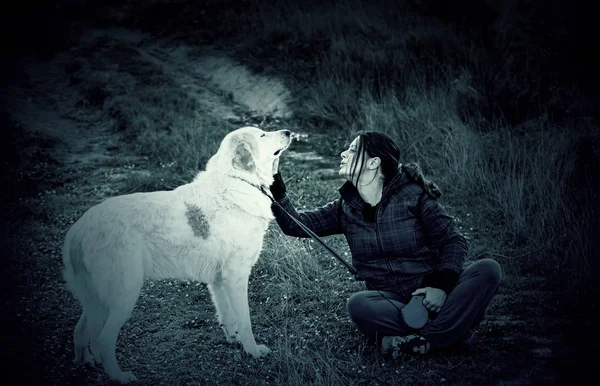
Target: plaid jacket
(406,238)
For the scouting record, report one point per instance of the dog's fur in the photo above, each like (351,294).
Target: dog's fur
(210,230)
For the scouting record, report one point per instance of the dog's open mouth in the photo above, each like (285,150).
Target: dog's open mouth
(280,150)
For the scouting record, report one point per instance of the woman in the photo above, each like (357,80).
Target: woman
(403,243)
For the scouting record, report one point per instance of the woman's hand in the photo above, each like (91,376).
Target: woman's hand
(275,166)
(434,298)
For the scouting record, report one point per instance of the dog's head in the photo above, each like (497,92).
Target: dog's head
(249,152)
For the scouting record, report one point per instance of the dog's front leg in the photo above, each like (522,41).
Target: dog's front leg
(224,311)
(237,290)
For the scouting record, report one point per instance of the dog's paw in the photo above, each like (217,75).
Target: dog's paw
(231,339)
(259,351)
(95,354)
(124,377)
(264,350)
(87,359)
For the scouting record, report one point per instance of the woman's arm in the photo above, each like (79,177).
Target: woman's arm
(323,221)
(443,235)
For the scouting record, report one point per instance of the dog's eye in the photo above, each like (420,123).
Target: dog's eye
(262,135)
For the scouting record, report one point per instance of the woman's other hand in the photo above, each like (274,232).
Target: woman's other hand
(434,298)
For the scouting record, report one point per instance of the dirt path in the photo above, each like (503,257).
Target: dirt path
(224,88)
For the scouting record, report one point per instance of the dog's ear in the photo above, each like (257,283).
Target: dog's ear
(243,158)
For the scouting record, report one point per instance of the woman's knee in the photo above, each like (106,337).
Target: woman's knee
(358,305)
(490,269)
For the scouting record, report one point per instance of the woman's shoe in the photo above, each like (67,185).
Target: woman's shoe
(393,347)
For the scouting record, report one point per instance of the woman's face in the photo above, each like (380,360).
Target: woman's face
(349,158)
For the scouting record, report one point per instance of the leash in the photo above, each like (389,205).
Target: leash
(311,234)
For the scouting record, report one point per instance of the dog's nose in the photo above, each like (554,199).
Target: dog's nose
(287,133)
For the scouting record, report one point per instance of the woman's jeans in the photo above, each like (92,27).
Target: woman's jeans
(463,309)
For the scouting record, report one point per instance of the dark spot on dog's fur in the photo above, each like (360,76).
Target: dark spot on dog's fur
(197,220)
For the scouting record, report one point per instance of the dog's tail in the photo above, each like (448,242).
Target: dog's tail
(68,271)
(75,272)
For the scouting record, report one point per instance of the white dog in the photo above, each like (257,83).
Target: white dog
(210,230)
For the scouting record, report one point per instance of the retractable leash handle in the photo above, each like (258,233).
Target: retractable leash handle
(414,313)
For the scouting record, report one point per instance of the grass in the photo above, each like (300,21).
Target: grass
(517,176)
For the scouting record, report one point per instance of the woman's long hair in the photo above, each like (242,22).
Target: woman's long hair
(414,172)
(376,144)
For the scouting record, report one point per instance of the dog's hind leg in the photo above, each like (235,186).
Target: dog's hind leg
(224,312)
(104,346)
(87,329)
(81,340)
(95,317)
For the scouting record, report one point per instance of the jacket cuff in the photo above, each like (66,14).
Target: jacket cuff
(278,187)
(444,279)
